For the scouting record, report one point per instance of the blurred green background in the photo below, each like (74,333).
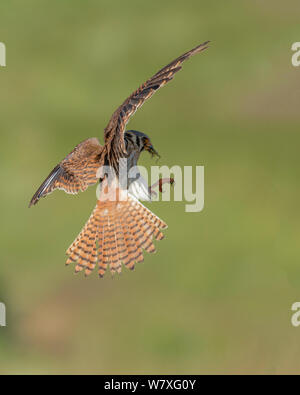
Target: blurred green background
(217,296)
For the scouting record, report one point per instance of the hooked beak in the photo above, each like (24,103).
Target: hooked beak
(149,147)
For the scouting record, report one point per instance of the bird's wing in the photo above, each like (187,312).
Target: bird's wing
(114,131)
(75,173)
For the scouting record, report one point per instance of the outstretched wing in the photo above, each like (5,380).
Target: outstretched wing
(75,173)
(114,131)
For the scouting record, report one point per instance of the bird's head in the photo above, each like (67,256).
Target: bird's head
(141,141)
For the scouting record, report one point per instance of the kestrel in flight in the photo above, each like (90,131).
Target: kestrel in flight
(120,227)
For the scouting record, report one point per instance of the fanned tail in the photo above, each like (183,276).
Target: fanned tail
(116,233)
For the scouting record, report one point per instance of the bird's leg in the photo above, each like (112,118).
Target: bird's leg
(160,183)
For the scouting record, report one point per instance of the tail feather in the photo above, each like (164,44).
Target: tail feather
(137,234)
(129,242)
(122,248)
(90,252)
(92,257)
(116,233)
(143,239)
(114,263)
(102,248)
(113,245)
(133,250)
(83,249)
(148,224)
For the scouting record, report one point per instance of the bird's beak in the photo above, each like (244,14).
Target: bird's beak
(149,147)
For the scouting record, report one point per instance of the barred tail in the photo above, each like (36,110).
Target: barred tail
(116,233)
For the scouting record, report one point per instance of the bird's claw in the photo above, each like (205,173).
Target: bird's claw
(160,184)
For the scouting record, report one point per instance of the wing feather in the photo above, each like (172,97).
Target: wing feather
(75,173)
(114,131)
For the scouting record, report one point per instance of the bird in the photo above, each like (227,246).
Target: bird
(120,227)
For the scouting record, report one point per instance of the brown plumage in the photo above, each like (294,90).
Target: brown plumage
(75,173)
(114,131)
(123,229)
(120,227)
